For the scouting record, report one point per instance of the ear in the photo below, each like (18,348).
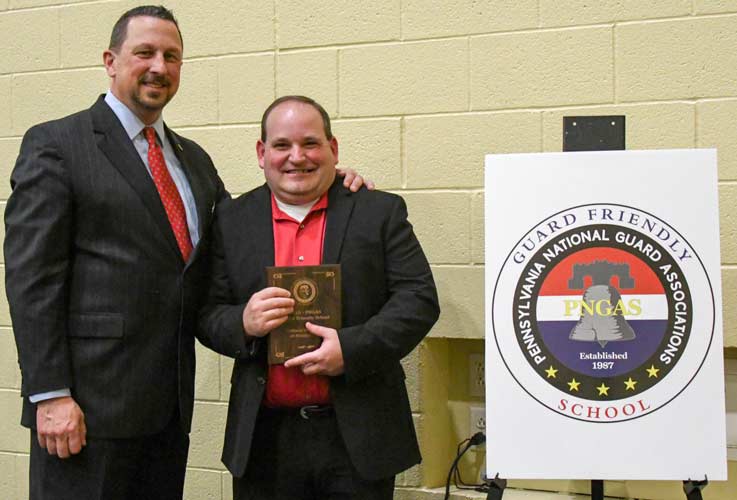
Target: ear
(260,149)
(334,148)
(108,58)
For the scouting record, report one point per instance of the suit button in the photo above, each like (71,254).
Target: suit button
(261,380)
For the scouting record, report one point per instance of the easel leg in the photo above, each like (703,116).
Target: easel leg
(496,488)
(692,488)
(597,489)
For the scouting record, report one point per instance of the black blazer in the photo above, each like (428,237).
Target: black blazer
(100,299)
(389,305)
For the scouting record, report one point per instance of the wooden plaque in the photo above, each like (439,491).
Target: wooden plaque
(317,295)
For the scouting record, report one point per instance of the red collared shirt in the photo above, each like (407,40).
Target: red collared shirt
(297,244)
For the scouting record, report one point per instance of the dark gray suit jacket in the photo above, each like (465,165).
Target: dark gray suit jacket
(100,299)
(389,305)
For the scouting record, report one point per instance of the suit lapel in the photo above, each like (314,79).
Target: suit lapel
(255,231)
(117,146)
(205,206)
(340,207)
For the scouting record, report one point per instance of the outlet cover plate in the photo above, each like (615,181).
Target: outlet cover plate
(476,419)
(476,375)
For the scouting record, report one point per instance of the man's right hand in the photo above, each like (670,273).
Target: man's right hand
(60,426)
(266,310)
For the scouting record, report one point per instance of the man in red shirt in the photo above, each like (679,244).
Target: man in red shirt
(334,423)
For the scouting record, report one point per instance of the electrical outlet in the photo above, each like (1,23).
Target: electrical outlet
(476,419)
(476,375)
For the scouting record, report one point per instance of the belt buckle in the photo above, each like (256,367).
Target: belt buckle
(303,411)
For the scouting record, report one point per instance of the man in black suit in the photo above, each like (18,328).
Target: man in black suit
(106,231)
(334,423)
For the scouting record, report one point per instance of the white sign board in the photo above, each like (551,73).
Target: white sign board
(603,316)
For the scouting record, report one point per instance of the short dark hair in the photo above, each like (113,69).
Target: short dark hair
(120,30)
(302,99)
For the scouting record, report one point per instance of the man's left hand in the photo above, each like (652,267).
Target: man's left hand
(325,360)
(353,181)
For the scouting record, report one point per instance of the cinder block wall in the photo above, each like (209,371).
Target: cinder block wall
(419,91)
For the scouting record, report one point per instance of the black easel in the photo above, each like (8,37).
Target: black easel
(692,488)
(594,133)
(495,488)
(606,133)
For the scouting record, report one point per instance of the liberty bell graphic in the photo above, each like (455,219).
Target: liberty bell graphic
(597,325)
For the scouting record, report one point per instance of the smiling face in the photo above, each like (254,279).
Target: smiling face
(297,158)
(145,69)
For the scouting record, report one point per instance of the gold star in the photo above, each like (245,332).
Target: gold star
(603,390)
(652,371)
(573,385)
(630,384)
(551,372)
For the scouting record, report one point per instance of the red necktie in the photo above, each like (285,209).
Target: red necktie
(168,193)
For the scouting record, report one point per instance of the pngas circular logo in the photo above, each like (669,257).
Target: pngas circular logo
(304,291)
(611,315)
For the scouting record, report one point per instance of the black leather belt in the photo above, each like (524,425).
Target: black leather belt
(305,412)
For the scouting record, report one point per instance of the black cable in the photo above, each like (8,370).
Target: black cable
(453,466)
(456,471)
(476,439)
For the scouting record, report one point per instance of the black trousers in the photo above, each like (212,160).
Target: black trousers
(141,468)
(293,458)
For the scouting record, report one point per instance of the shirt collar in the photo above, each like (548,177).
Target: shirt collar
(131,123)
(278,214)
